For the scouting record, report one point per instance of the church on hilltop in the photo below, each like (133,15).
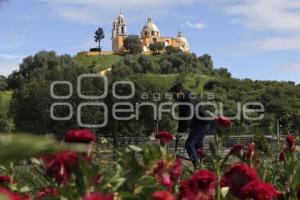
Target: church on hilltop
(150,33)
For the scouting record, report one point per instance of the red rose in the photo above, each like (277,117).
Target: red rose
(60,165)
(97,196)
(185,192)
(237,176)
(203,180)
(289,149)
(199,186)
(10,195)
(161,165)
(282,155)
(80,136)
(164,137)
(96,180)
(165,180)
(259,190)
(162,195)
(26,196)
(237,149)
(251,150)
(176,169)
(161,172)
(6,180)
(258,163)
(200,153)
(291,142)
(46,193)
(224,121)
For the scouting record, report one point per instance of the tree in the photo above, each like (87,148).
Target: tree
(165,67)
(223,72)
(31,103)
(206,59)
(6,123)
(146,63)
(133,44)
(99,35)
(156,47)
(172,50)
(3,83)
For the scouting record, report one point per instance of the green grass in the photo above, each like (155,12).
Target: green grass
(190,81)
(101,62)
(5,99)
(166,81)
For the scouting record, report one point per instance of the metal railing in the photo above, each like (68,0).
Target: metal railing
(106,146)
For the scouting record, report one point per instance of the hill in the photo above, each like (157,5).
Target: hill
(163,69)
(152,74)
(100,62)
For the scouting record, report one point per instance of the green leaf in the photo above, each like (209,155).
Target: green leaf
(20,147)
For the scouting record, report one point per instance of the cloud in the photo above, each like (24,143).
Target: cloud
(116,4)
(291,67)
(275,17)
(276,43)
(196,25)
(91,11)
(267,15)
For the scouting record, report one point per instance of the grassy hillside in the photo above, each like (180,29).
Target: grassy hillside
(100,62)
(105,61)
(166,81)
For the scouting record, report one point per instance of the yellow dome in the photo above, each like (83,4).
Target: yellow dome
(181,40)
(150,29)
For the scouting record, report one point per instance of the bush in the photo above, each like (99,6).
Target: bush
(3,83)
(6,125)
(172,50)
(71,171)
(133,44)
(95,49)
(157,47)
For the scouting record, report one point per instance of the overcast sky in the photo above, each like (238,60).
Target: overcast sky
(258,39)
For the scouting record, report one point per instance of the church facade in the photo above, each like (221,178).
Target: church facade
(150,33)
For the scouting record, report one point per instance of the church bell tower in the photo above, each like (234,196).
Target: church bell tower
(119,33)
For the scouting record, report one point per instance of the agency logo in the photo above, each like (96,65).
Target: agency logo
(253,111)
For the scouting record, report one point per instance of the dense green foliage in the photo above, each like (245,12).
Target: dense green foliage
(154,75)
(3,83)
(133,44)
(156,47)
(6,123)
(30,106)
(179,62)
(280,99)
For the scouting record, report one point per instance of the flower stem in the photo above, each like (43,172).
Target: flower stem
(218,165)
